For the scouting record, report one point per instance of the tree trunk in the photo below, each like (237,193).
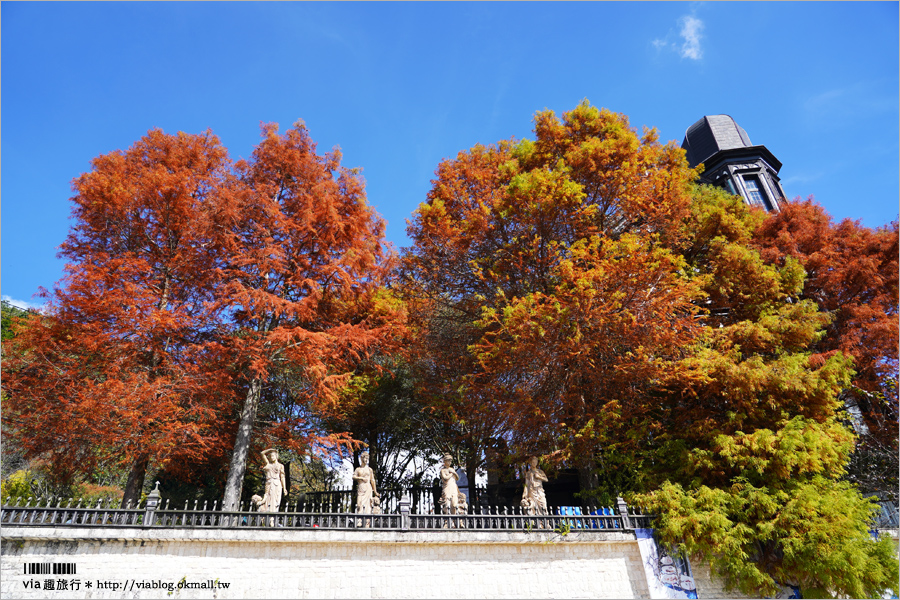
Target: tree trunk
(471,468)
(588,481)
(353,483)
(287,483)
(238,466)
(138,472)
(135,481)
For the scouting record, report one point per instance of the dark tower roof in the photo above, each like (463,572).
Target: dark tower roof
(720,133)
(712,134)
(731,161)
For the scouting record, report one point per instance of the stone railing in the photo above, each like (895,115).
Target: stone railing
(155,512)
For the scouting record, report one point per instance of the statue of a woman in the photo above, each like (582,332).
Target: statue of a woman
(275,485)
(533,499)
(364,477)
(450,491)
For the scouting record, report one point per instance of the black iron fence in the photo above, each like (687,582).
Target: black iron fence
(155,512)
(422,499)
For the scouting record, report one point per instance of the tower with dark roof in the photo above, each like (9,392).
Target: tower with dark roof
(732,162)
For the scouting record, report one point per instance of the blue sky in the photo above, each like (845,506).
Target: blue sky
(400,86)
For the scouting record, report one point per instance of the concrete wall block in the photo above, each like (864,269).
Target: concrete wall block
(324,565)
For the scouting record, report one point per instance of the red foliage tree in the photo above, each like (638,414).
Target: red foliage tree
(195,288)
(852,274)
(301,285)
(113,370)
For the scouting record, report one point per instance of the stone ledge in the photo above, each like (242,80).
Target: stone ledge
(158,534)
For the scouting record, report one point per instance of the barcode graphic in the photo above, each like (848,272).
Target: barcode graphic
(50,568)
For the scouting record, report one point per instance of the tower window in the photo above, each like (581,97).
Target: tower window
(756,193)
(730,187)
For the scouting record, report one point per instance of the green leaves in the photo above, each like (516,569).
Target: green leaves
(810,532)
(800,447)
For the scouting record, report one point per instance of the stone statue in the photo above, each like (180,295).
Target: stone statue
(274,470)
(366,491)
(534,502)
(450,492)
(462,506)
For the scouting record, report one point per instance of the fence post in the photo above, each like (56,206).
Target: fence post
(623,512)
(150,507)
(404,513)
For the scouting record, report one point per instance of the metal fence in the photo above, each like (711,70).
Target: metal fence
(157,513)
(422,499)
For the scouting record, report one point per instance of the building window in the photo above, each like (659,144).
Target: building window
(730,187)
(755,192)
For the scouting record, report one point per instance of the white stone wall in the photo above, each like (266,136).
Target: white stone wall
(712,587)
(323,564)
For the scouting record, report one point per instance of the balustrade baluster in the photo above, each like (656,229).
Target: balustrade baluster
(65,512)
(47,517)
(44,514)
(90,514)
(31,514)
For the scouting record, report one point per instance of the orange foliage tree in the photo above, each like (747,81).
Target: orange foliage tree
(544,262)
(113,370)
(302,284)
(195,287)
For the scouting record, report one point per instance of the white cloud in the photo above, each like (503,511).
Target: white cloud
(801,178)
(691,33)
(854,99)
(21,303)
(691,30)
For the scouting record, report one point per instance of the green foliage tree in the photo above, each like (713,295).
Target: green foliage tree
(388,417)
(783,517)
(750,450)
